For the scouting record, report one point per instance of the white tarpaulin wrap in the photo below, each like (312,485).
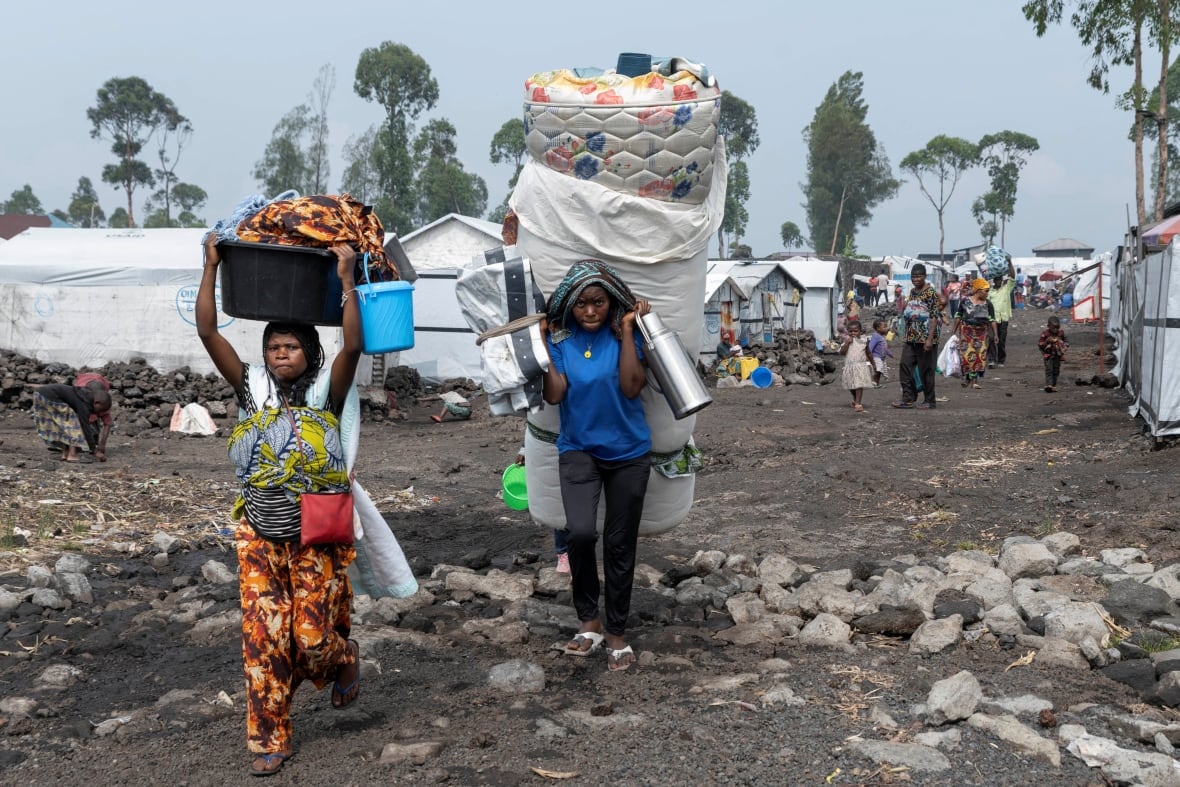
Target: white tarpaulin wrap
(660,250)
(1149,331)
(495,290)
(90,297)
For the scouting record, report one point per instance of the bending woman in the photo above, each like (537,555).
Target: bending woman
(595,374)
(295,599)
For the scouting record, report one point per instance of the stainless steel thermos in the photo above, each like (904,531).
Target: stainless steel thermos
(673,368)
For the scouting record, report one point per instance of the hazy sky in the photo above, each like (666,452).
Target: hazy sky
(930,67)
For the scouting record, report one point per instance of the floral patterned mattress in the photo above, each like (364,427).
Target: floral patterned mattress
(651,135)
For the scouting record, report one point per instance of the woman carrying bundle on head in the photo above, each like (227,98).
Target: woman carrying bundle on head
(295,598)
(974,325)
(595,375)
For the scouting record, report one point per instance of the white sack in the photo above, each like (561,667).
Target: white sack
(192,419)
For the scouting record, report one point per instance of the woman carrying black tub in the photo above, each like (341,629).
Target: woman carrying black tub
(595,375)
(295,599)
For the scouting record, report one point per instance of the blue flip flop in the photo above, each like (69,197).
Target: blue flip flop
(340,692)
(270,760)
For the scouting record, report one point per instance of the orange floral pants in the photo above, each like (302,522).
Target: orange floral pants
(295,626)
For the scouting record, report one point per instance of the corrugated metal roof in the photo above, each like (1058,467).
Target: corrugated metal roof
(12,224)
(1064,244)
(487,227)
(811,272)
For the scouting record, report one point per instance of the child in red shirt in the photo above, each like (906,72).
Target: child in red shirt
(1053,346)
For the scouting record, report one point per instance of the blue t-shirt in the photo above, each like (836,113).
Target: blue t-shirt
(595,415)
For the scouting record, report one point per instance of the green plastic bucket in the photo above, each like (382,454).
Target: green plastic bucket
(516,495)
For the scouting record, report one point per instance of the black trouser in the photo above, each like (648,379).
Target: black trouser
(583,478)
(997,350)
(1052,370)
(915,356)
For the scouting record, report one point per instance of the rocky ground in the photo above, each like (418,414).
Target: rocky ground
(776,629)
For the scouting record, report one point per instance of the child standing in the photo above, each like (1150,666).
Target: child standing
(1053,346)
(858,364)
(879,351)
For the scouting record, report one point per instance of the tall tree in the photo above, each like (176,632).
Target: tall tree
(127,113)
(84,210)
(1115,31)
(284,162)
(23,200)
(943,161)
(986,210)
(1151,131)
(185,196)
(508,146)
(791,234)
(848,173)
(738,125)
(171,139)
(1003,155)
(360,172)
(317,148)
(442,185)
(399,80)
(296,157)
(737,193)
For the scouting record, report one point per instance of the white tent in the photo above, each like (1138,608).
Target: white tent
(444,345)
(821,295)
(769,294)
(86,297)
(1145,311)
(723,300)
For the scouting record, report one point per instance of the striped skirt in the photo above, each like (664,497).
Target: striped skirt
(57,423)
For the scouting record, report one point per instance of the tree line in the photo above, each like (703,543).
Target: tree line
(413,176)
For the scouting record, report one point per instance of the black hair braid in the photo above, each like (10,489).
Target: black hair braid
(313,351)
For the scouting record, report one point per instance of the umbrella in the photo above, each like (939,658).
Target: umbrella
(1049,276)
(1161,234)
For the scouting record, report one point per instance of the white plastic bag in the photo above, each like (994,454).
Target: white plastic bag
(192,419)
(949,360)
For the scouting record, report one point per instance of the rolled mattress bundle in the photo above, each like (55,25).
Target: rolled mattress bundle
(589,191)
(652,135)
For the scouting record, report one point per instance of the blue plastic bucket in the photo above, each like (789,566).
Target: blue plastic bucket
(387,316)
(516,495)
(761,377)
(1067,300)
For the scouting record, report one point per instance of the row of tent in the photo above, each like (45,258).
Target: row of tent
(86,297)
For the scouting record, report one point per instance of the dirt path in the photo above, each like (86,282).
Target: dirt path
(788,470)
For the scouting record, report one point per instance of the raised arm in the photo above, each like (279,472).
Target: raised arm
(553,385)
(631,375)
(222,353)
(344,367)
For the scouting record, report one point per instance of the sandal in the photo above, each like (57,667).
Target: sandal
(343,696)
(576,647)
(619,660)
(860,408)
(271,763)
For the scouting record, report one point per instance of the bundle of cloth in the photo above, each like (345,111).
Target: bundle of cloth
(995,262)
(655,238)
(318,221)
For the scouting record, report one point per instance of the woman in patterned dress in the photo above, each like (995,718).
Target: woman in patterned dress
(295,599)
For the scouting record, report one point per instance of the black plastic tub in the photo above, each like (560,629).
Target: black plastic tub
(264,281)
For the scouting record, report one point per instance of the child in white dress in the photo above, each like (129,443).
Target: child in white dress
(858,363)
